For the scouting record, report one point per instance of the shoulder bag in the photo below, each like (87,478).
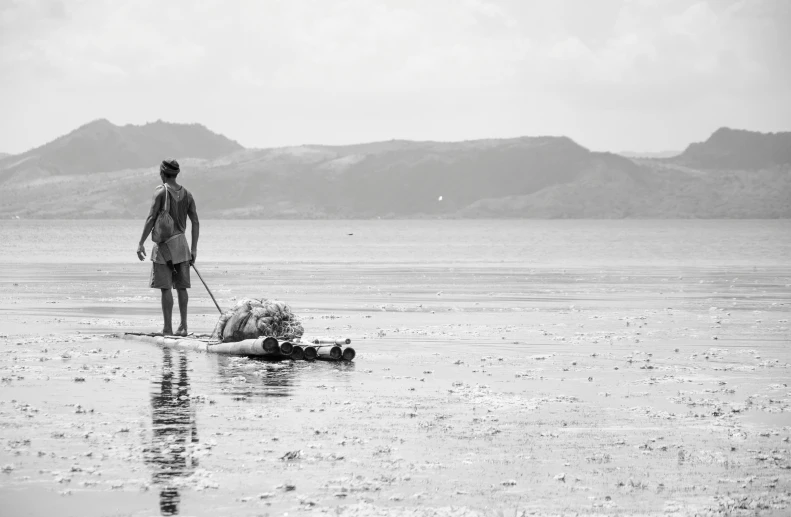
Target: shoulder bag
(164,227)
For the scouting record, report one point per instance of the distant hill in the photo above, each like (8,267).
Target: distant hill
(101,146)
(649,154)
(3,155)
(660,192)
(528,177)
(734,149)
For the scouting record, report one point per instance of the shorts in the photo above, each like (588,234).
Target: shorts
(162,277)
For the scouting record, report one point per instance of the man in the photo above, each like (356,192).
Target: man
(171,260)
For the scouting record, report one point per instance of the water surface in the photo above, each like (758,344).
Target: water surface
(610,367)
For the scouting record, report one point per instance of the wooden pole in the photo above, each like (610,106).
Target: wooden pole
(207,288)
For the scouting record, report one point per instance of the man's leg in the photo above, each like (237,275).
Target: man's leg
(167,311)
(184,298)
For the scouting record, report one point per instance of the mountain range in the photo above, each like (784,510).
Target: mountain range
(101,170)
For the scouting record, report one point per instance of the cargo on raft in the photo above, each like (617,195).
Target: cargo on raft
(266,347)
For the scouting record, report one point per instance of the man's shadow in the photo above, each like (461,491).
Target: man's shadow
(174,431)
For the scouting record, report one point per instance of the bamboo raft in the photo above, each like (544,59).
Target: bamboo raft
(268,347)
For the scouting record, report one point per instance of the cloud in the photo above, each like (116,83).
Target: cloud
(363,45)
(348,45)
(354,45)
(80,43)
(660,53)
(494,66)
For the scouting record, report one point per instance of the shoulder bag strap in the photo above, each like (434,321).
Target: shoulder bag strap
(167,199)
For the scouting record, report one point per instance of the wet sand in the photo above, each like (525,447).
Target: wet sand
(479,388)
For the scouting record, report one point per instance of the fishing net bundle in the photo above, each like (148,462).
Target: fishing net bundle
(251,318)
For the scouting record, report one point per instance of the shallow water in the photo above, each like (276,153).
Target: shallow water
(585,243)
(511,366)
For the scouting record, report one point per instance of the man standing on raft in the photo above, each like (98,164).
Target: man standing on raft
(171,260)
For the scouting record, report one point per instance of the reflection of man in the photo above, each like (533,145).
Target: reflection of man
(172,258)
(174,428)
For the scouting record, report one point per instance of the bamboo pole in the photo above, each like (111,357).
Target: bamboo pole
(329,353)
(326,341)
(249,347)
(286,348)
(246,347)
(171,342)
(310,353)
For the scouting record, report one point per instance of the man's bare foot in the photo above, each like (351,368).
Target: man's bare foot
(182,330)
(167,331)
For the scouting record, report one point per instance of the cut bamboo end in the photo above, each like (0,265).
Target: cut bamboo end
(298,353)
(286,348)
(348,353)
(270,345)
(332,353)
(310,353)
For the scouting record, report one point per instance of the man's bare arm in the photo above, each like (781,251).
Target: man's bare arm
(192,213)
(148,226)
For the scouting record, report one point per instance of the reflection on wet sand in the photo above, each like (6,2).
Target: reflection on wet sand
(249,377)
(174,431)
(244,377)
(174,426)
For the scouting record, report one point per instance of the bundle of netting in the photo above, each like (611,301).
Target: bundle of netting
(251,318)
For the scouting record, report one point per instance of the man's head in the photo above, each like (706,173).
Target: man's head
(169,169)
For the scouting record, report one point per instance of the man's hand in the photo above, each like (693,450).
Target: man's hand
(141,252)
(194,256)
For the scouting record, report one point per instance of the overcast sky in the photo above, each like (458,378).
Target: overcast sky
(643,75)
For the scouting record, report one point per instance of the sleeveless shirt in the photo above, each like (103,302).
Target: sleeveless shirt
(180,202)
